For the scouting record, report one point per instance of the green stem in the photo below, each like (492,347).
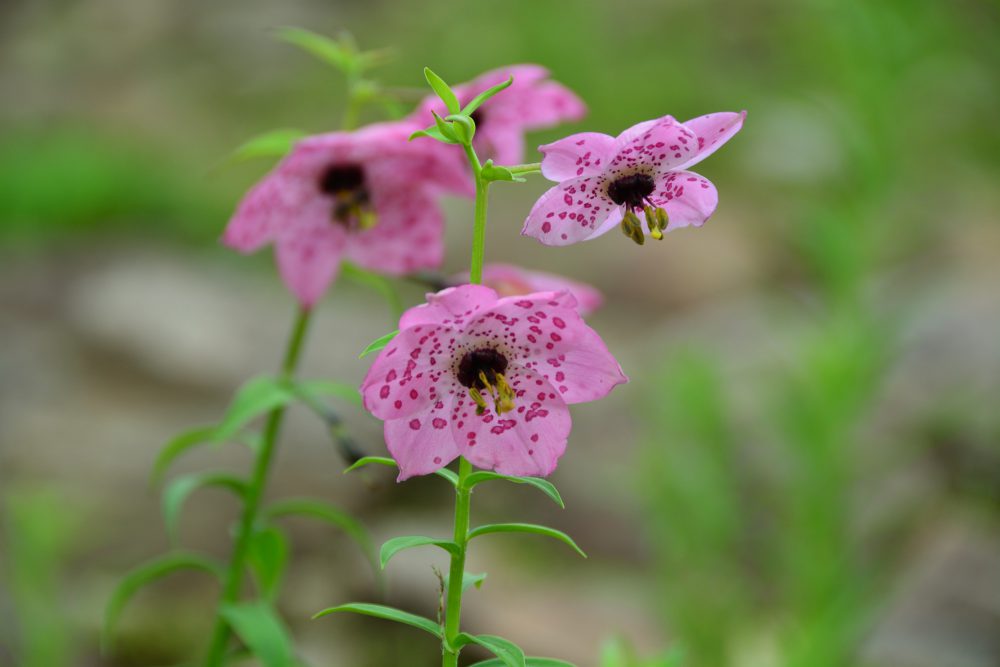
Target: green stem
(478,218)
(522,169)
(456,573)
(255,489)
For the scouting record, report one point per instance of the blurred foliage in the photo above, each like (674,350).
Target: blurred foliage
(38,532)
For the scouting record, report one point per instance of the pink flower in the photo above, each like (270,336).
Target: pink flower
(366,196)
(604,180)
(510,280)
(532,102)
(487,378)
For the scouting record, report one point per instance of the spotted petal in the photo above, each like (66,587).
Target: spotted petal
(452,306)
(525,441)
(713,130)
(689,198)
(546,334)
(407,375)
(424,442)
(407,235)
(658,145)
(309,259)
(569,212)
(583,154)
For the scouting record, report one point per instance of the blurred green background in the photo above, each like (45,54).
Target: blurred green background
(805,470)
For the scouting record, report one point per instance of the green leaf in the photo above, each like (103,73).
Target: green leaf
(445,129)
(443,91)
(146,574)
(180,488)
(526,528)
(316,509)
(254,398)
(468,580)
(543,485)
(386,461)
(528,661)
(492,172)
(259,627)
(177,446)
(312,389)
(433,133)
(267,557)
(509,653)
(276,143)
(378,344)
(397,544)
(485,95)
(325,49)
(463,127)
(389,614)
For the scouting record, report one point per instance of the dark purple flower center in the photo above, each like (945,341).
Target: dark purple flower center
(345,183)
(486,361)
(631,190)
(477,117)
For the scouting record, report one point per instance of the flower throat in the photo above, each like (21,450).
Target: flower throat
(345,183)
(482,372)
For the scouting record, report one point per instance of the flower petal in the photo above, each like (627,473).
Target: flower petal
(501,142)
(308,259)
(452,306)
(569,212)
(660,144)
(549,103)
(689,198)
(421,443)
(511,280)
(583,154)
(407,236)
(546,334)
(407,375)
(525,441)
(713,131)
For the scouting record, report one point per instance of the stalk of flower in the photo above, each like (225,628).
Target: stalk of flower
(606,181)
(484,379)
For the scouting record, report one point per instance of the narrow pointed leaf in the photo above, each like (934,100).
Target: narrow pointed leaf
(509,653)
(445,129)
(276,143)
(443,91)
(378,344)
(478,100)
(526,528)
(268,556)
(259,627)
(386,461)
(316,509)
(388,613)
(177,446)
(397,544)
(543,485)
(180,488)
(433,133)
(146,574)
(254,398)
(325,49)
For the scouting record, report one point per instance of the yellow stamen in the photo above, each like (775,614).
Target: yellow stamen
(504,399)
(479,400)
